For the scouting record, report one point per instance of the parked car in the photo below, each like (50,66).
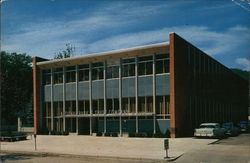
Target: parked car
(231,129)
(212,130)
(243,126)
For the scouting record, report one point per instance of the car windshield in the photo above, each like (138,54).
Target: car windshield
(207,126)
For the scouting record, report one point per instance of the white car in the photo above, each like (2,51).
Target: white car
(212,130)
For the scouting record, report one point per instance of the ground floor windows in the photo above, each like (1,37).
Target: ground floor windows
(70,107)
(145,104)
(128,105)
(58,108)
(83,106)
(113,106)
(162,105)
(47,109)
(98,106)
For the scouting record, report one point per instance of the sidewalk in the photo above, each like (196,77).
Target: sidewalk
(120,147)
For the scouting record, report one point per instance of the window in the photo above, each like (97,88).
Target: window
(141,104)
(83,106)
(83,75)
(47,109)
(97,71)
(83,71)
(112,106)
(70,107)
(162,105)
(145,65)
(112,72)
(70,74)
(128,67)
(58,75)
(128,105)
(162,63)
(58,108)
(46,77)
(98,106)
(145,104)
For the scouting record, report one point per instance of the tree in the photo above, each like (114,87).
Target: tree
(68,52)
(16,85)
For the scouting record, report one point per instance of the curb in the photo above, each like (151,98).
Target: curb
(51,154)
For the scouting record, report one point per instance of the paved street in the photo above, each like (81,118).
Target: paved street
(230,150)
(27,157)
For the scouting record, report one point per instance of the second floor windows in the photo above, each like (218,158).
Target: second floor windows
(97,71)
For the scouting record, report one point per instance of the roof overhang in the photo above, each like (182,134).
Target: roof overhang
(159,48)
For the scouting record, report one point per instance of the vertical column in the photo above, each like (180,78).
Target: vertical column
(120,96)
(136,93)
(36,94)
(41,101)
(52,99)
(77,109)
(154,97)
(64,98)
(90,99)
(104,97)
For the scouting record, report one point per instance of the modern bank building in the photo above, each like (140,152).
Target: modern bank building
(170,86)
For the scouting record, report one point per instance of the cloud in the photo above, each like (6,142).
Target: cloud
(1,1)
(109,27)
(211,42)
(43,36)
(243,62)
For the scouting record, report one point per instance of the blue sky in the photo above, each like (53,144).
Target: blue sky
(221,28)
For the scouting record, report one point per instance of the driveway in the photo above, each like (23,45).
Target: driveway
(230,150)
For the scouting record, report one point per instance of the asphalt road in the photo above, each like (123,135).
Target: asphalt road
(26,157)
(230,150)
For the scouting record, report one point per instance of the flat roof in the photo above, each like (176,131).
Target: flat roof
(158,48)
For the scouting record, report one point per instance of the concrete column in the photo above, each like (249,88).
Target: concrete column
(19,124)
(64,99)
(104,97)
(77,109)
(41,101)
(52,100)
(120,96)
(90,99)
(154,96)
(136,93)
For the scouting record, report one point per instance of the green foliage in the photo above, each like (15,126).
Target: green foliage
(16,85)
(107,134)
(99,134)
(12,134)
(68,52)
(59,132)
(242,73)
(114,134)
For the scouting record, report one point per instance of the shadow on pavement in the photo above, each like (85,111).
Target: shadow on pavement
(16,156)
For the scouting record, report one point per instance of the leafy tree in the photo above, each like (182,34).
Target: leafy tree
(16,86)
(68,52)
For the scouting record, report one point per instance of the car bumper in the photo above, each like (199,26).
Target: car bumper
(203,135)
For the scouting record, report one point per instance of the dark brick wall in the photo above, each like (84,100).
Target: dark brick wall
(202,89)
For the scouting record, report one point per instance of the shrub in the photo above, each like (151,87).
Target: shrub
(99,134)
(114,134)
(149,134)
(131,134)
(65,133)
(106,134)
(156,135)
